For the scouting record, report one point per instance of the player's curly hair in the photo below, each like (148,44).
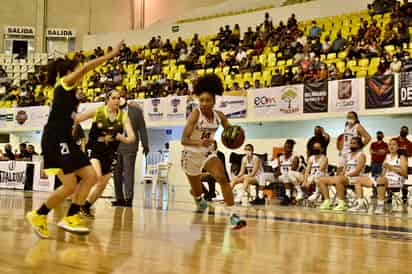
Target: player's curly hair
(210,83)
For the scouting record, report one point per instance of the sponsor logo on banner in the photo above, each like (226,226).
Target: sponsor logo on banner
(277,100)
(12,174)
(315,97)
(154,109)
(232,106)
(21,117)
(345,95)
(176,108)
(380,91)
(405,89)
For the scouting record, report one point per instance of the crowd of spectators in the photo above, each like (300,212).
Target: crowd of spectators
(25,153)
(301,50)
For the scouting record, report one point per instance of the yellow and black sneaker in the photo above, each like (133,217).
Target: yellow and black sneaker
(38,223)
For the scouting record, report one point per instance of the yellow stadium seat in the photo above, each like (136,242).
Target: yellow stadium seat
(209,71)
(342,54)
(361,73)
(364,62)
(390,49)
(257,76)
(281,63)
(289,62)
(341,66)
(375,62)
(331,56)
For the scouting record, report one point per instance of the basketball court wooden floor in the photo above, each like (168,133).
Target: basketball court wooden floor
(167,237)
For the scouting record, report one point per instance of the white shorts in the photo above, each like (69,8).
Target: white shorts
(293,177)
(342,159)
(194,162)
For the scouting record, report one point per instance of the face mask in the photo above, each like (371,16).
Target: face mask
(316,151)
(122,102)
(380,138)
(350,121)
(404,134)
(353,149)
(249,153)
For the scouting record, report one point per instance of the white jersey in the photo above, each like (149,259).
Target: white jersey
(285,164)
(351,164)
(249,165)
(315,166)
(204,130)
(394,179)
(348,134)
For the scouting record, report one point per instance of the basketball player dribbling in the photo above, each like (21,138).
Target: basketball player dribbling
(62,156)
(198,138)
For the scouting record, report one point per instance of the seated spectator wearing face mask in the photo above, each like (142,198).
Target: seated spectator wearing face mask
(378,150)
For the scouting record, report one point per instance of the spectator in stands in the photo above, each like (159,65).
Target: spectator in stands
(327,45)
(338,44)
(235,37)
(407,62)
(396,65)
(322,72)
(333,73)
(348,74)
(292,22)
(390,37)
(317,47)
(8,153)
(248,38)
(246,85)
(378,150)
(315,31)
(406,9)
(180,44)
(321,137)
(299,77)
(277,79)
(257,84)
(383,67)
(236,86)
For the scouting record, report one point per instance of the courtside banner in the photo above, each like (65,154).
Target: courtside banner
(175,108)
(345,95)
(232,106)
(276,100)
(405,89)
(315,97)
(31,117)
(380,91)
(12,174)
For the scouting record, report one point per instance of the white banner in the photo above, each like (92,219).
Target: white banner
(345,95)
(54,32)
(6,117)
(30,117)
(154,109)
(19,30)
(277,100)
(41,182)
(175,108)
(12,174)
(232,106)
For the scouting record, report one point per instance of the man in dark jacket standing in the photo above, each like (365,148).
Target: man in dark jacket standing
(126,155)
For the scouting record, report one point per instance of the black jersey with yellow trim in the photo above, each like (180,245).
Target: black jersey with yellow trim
(63,108)
(103,126)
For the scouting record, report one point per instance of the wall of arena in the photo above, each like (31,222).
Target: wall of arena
(306,11)
(88,16)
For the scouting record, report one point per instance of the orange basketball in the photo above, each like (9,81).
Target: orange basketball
(233,137)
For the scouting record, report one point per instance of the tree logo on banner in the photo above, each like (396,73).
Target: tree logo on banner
(289,94)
